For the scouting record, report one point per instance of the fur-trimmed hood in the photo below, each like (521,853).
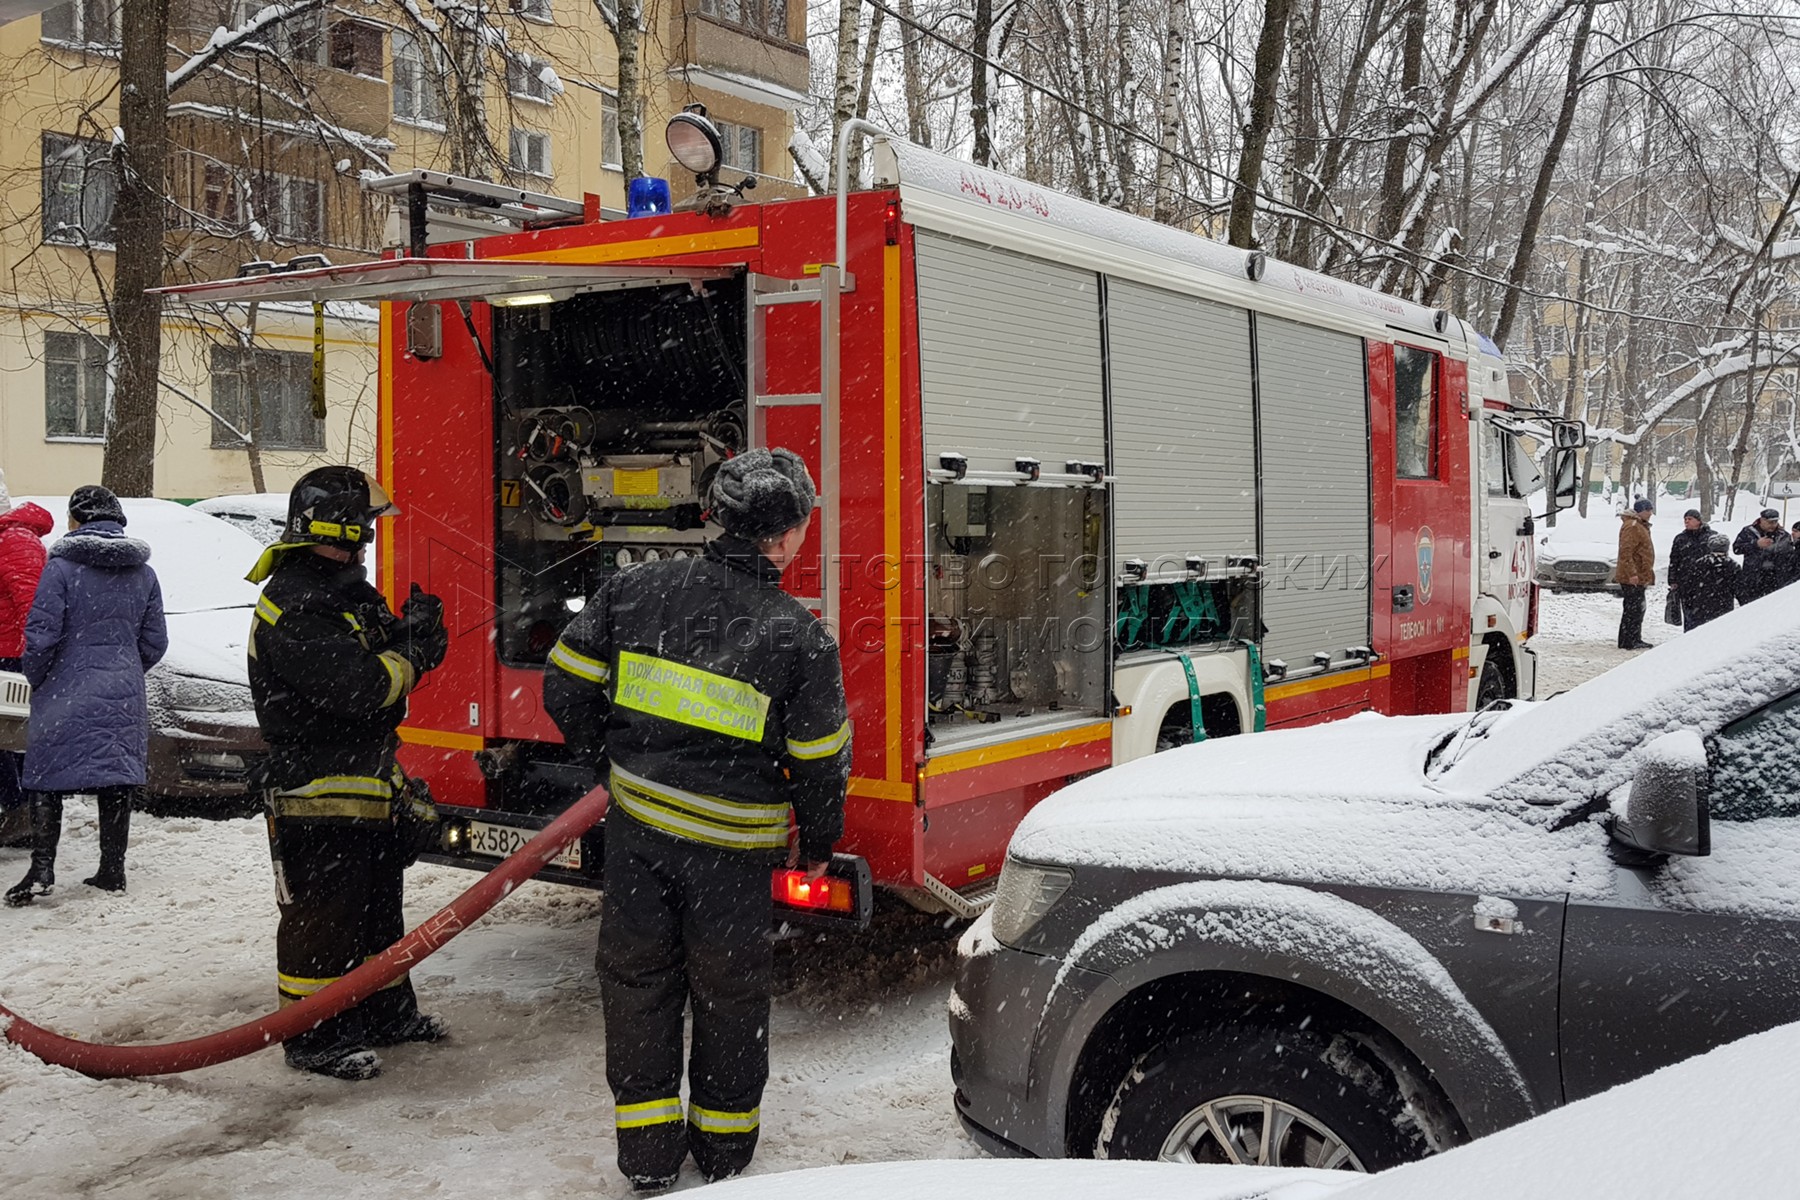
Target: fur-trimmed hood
(101,544)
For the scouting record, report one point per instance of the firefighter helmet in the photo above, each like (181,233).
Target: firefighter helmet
(336,506)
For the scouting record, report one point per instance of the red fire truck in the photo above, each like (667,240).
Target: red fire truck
(1091,486)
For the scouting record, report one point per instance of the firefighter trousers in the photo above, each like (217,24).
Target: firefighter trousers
(684,923)
(338,886)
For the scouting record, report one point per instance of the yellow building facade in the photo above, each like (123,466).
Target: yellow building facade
(268,147)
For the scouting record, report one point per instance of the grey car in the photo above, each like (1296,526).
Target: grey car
(1357,944)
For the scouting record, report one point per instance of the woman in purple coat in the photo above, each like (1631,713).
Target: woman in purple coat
(95,627)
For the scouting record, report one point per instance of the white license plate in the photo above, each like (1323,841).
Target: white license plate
(503,841)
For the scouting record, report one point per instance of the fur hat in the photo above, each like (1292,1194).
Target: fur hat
(91,502)
(761,493)
(1642,506)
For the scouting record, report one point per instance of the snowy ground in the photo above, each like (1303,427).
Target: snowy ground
(516,1104)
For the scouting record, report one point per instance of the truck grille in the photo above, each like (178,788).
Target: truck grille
(1582,569)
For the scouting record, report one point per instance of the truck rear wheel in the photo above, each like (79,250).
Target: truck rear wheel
(1246,1095)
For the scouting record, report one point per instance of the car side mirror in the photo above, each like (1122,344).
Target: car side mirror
(1666,810)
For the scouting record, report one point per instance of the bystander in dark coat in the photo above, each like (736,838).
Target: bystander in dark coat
(1712,584)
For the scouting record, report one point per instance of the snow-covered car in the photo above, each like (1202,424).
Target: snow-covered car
(1633,1142)
(1577,566)
(15,709)
(262,515)
(203,732)
(1356,944)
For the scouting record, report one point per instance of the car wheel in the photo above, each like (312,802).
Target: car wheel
(1494,685)
(1244,1095)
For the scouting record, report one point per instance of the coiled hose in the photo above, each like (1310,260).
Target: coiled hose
(112,1062)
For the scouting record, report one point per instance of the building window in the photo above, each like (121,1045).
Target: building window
(356,47)
(299,38)
(76,386)
(762,16)
(289,208)
(82,23)
(743,147)
(531,152)
(611,155)
(416,94)
(529,78)
(537,10)
(81,185)
(283,383)
(1415,413)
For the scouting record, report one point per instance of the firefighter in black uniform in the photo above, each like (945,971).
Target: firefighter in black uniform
(330,669)
(714,703)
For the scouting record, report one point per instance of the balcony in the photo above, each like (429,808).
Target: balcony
(730,58)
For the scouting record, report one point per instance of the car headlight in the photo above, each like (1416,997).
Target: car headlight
(1027,892)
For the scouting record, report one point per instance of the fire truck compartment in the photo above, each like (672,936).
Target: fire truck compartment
(612,410)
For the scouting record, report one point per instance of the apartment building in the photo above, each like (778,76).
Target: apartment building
(268,145)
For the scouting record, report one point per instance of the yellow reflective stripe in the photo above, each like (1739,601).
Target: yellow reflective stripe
(300,985)
(691,696)
(579,665)
(400,676)
(741,811)
(823,747)
(331,529)
(342,785)
(332,806)
(267,609)
(650,1112)
(694,829)
(708,1120)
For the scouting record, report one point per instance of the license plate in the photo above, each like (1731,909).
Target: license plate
(503,841)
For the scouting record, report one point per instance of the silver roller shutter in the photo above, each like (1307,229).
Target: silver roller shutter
(1183,426)
(1315,466)
(1009,357)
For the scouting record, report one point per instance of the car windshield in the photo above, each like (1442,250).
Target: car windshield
(1588,740)
(200,561)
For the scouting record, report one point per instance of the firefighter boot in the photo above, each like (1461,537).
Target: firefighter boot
(420,1027)
(115,832)
(338,1062)
(46,831)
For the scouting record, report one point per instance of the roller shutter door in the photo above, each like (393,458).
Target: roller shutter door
(1315,497)
(1183,426)
(1009,357)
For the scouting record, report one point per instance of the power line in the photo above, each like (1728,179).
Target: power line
(1355,235)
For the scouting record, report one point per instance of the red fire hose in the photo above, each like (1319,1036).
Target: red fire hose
(111,1062)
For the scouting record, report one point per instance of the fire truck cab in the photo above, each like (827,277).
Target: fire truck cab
(1090,486)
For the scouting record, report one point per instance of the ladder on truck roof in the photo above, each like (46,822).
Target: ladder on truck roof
(451,208)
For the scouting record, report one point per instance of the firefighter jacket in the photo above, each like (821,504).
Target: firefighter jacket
(712,700)
(329,691)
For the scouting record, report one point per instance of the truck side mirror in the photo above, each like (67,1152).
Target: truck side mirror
(1565,477)
(1568,435)
(1667,810)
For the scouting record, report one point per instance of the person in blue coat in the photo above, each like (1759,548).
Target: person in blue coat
(96,625)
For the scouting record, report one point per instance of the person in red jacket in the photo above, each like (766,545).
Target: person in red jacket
(22,533)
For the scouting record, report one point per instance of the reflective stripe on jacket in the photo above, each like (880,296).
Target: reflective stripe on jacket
(714,698)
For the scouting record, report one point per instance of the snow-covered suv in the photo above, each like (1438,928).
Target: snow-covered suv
(1356,944)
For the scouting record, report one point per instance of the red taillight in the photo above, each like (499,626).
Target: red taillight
(893,223)
(1531,612)
(795,890)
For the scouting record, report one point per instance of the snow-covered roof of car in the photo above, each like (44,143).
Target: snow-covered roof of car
(1587,741)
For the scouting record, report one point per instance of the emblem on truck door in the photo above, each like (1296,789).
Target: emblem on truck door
(1425,554)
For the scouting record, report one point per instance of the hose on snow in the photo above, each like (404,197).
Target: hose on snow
(111,1062)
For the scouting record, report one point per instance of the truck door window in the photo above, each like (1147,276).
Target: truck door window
(1755,767)
(1521,468)
(1493,459)
(1415,413)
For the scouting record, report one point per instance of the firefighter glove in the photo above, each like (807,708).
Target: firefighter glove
(420,634)
(416,824)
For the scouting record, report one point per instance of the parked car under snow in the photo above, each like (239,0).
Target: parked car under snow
(262,515)
(203,731)
(1353,945)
